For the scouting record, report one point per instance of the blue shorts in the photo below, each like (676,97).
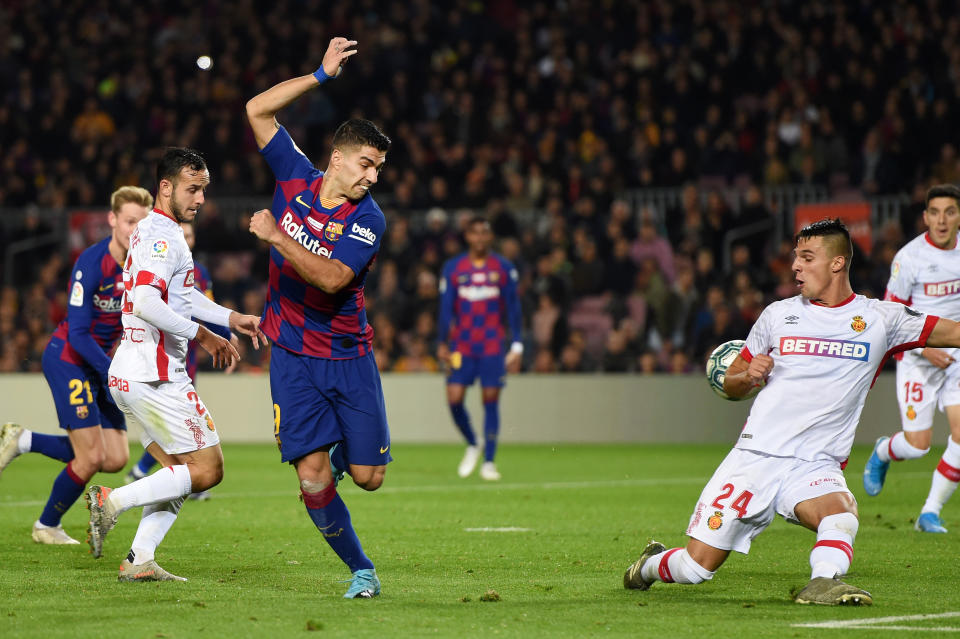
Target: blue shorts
(82,400)
(490,369)
(317,402)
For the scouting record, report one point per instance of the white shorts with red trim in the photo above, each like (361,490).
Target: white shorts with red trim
(749,488)
(169,413)
(922,388)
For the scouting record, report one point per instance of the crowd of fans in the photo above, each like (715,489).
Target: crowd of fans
(538,116)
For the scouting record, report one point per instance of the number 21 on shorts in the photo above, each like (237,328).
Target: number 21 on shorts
(739,504)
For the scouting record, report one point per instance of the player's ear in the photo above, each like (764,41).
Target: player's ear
(336,158)
(838,263)
(165,187)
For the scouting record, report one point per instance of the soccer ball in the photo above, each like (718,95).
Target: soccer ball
(717,364)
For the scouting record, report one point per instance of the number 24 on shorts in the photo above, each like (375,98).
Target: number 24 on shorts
(739,504)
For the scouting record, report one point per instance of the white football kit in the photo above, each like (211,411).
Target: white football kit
(148,375)
(802,423)
(927,278)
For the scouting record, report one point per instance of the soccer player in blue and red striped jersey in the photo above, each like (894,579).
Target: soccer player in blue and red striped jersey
(75,364)
(478,289)
(324,231)
(203,283)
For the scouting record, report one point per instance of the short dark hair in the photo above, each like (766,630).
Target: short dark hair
(477,219)
(175,159)
(359,132)
(835,232)
(943,190)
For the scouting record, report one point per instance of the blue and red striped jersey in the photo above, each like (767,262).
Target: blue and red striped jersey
(201,280)
(474,297)
(92,324)
(297,316)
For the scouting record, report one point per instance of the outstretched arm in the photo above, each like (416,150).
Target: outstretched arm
(945,334)
(741,377)
(262,109)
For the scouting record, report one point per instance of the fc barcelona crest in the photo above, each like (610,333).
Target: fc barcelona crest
(83,412)
(333,231)
(858,324)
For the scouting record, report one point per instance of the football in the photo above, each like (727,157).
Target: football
(721,358)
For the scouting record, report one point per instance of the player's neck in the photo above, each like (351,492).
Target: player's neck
(331,196)
(479,258)
(836,294)
(116,251)
(163,206)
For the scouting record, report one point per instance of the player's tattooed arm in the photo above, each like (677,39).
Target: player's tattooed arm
(742,377)
(329,275)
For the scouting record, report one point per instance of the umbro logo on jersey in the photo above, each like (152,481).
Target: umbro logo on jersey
(791,319)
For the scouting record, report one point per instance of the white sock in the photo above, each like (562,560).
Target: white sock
(24,442)
(674,566)
(945,479)
(168,483)
(154,525)
(900,449)
(833,552)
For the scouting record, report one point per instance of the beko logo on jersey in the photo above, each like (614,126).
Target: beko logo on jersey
(294,230)
(478,293)
(363,234)
(825,348)
(942,289)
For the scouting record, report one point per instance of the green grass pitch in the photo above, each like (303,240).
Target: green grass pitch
(579,513)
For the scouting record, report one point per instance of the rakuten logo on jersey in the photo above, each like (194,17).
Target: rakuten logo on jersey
(294,230)
(825,348)
(942,289)
(478,293)
(107,304)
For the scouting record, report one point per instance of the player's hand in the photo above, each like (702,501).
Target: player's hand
(221,351)
(264,225)
(443,356)
(513,362)
(759,369)
(337,52)
(235,342)
(938,357)
(249,325)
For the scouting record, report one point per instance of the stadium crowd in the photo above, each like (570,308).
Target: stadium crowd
(539,116)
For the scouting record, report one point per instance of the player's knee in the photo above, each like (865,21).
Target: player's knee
(368,477)
(90,460)
(205,477)
(312,487)
(846,523)
(918,444)
(114,461)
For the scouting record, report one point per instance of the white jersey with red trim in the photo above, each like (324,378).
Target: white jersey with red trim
(825,359)
(927,277)
(158,257)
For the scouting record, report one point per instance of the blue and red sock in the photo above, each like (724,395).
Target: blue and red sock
(491,429)
(462,420)
(332,519)
(53,446)
(67,488)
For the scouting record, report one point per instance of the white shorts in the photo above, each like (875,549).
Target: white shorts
(749,488)
(169,413)
(922,388)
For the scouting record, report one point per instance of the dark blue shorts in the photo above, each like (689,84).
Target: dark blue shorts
(82,400)
(465,369)
(317,402)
